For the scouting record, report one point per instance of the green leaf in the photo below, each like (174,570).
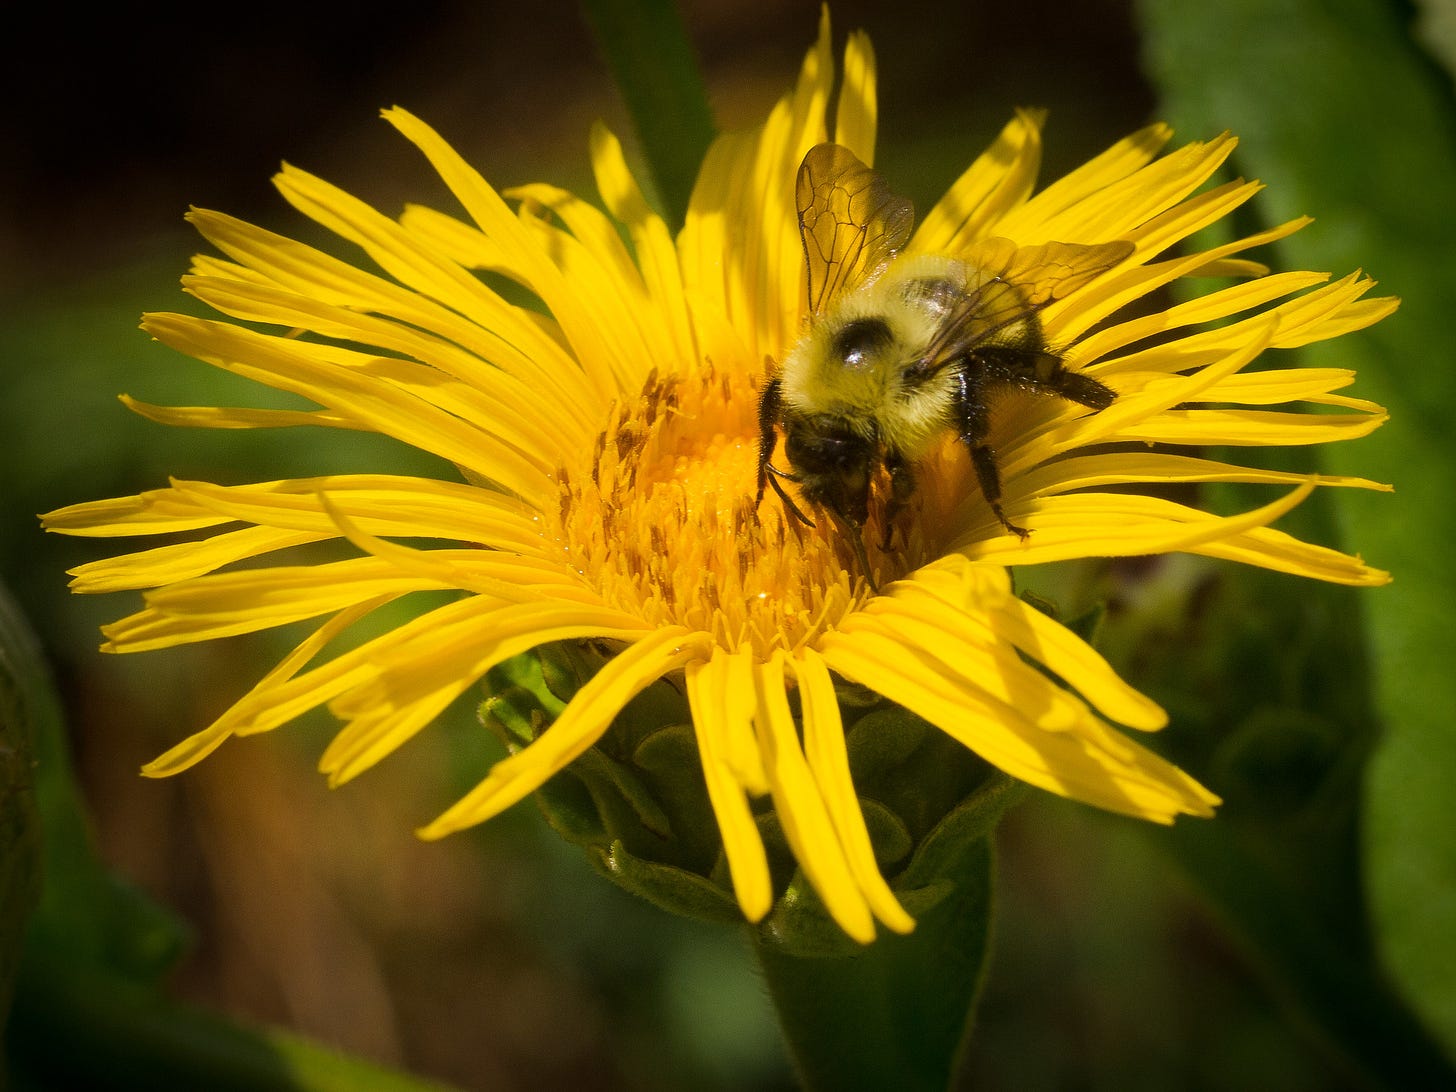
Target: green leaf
(23,694)
(89,1009)
(1344,117)
(648,51)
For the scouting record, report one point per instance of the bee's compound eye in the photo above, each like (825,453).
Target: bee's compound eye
(857,341)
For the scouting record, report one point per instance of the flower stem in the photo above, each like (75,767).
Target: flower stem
(897,1013)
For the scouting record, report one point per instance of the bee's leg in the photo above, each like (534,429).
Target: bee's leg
(774,474)
(974,424)
(769,404)
(902,488)
(1074,386)
(855,534)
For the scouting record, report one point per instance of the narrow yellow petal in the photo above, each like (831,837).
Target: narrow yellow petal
(1044,640)
(413,682)
(469,315)
(742,844)
(856,115)
(1065,762)
(1246,427)
(1126,157)
(379,504)
(374,403)
(227,604)
(1068,319)
(483,389)
(801,809)
(184,560)
(198,746)
(606,373)
(269,708)
(1124,525)
(234,418)
(582,723)
(828,758)
(1121,206)
(1083,472)
(1000,179)
(671,334)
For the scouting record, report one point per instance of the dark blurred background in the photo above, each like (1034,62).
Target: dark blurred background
(495,960)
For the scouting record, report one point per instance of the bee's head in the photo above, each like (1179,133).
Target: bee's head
(834,464)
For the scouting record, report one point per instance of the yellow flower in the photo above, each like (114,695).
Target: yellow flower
(606,437)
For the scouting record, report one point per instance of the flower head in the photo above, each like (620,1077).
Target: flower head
(606,433)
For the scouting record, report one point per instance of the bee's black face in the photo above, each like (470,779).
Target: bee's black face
(833,464)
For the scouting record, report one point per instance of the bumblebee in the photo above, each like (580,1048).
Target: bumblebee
(900,348)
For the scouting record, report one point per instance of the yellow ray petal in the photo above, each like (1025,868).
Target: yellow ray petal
(1123,525)
(856,115)
(198,746)
(270,707)
(374,403)
(582,723)
(801,809)
(1246,427)
(932,628)
(1066,320)
(671,336)
(716,723)
(1000,179)
(607,373)
(1126,157)
(824,748)
(184,560)
(1082,472)
(227,604)
(379,504)
(235,417)
(1122,205)
(604,299)
(484,389)
(413,682)
(471,315)
(1064,762)
(959,585)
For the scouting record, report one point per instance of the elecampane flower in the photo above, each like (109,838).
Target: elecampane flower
(606,438)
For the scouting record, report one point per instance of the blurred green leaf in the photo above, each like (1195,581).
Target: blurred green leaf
(652,61)
(1345,118)
(22,696)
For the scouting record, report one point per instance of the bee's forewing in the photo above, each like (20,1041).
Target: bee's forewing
(851,222)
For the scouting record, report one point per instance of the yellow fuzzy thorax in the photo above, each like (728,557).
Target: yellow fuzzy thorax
(871,395)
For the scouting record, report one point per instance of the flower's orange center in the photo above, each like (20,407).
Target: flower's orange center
(663,520)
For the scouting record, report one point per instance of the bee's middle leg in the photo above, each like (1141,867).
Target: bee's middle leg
(973,427)
(902,488)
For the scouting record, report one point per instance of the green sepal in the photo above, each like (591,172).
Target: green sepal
(636,803)
(673,889)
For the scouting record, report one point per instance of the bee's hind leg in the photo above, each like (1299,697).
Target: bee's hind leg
(984,460)
(973,425)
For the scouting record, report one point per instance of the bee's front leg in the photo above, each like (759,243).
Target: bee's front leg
(769,405)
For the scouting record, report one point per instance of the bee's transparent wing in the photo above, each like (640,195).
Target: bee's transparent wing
(1010,285)
(851,222)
